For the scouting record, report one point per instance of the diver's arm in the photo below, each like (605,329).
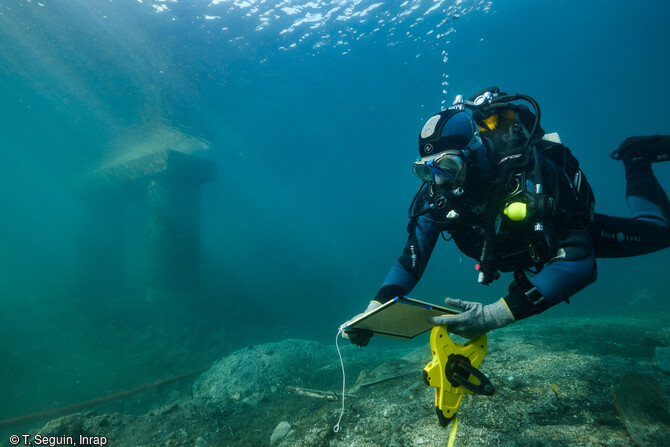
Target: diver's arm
(406,272)
(557,282)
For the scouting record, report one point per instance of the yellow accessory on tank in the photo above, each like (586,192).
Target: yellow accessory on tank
(499,121)
(453,372)
(516,211)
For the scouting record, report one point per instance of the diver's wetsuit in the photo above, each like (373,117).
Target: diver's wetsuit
(566,262)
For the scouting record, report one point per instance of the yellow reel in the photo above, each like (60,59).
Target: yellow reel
(453,372)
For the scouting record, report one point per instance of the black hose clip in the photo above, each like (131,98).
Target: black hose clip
(459,369)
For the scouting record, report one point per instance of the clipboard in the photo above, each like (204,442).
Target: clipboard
(402,317)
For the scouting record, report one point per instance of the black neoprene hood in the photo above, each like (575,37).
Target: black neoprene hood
(449,129)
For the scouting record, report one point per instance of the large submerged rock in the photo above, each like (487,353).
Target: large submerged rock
(663,358)
(644,408)
(246,375)
(659,337)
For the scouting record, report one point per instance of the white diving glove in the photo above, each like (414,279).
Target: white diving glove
(361,337)
(476,319)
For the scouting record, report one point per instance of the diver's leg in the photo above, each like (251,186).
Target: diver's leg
(621,237)
(648,229)
(645,198)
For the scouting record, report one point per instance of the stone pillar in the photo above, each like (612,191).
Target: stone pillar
(173,238)
(172,182)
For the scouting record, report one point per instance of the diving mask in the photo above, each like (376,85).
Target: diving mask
(446,167)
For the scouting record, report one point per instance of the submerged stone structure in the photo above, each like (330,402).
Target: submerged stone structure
(166,185)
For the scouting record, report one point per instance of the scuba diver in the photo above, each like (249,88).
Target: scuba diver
(513,197)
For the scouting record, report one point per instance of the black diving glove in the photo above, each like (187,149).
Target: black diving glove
(476,319)
(360,337)
(651,148)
